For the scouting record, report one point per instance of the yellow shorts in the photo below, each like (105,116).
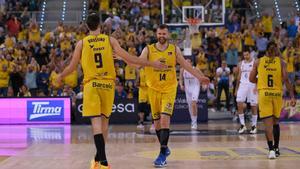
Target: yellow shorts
(269,103)
(98,98)
(161,103)
(143,94)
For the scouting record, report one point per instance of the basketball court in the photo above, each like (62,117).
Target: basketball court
(214,145)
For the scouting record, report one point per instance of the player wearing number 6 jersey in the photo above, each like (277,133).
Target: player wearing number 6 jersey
(269,72)
(162,86)
(95,52)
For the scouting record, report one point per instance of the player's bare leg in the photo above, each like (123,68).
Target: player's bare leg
(104,125)
(276,135)
(141,120)
(194,115)
(254,119)
(98,124)
(162,127)
(241,114)
(269,122)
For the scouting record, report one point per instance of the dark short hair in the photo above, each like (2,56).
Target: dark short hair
(271,44)
(163,26)
(247,50)
(93,21)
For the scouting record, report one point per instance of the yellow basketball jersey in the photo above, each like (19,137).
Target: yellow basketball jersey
(162,80)
(97,58)
(269,74)
(34,35)
(268,24)
(53,80)
(4,78)
(65,45)
(142,78)
(130,73)
(72,79)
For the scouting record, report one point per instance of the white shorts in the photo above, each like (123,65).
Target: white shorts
(192,93)
(246,91)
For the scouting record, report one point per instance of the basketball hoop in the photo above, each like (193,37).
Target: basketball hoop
(194,24)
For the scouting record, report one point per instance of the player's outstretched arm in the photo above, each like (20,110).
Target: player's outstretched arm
(253,73)
(185,65)
(73,64)
(133,60)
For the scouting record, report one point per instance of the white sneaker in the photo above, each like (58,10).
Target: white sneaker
(242,129)
(235,118)
(194,126)
(253,130)
(152,129)
(272,154)
(140,127)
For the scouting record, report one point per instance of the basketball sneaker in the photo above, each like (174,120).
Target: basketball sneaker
(97,165)
(152,129)
(168,152)
(161,161)
(253,130)
(194,126)
(277,152)
(242,129)
(140,127)
(272,154)
(104,167)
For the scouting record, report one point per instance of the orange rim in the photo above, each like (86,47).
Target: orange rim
(193,21)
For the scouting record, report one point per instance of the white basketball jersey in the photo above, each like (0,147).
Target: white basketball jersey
(189,79)
(246,68)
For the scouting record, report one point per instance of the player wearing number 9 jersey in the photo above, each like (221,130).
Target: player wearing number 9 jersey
(95,54)
(269,72)
(162,86)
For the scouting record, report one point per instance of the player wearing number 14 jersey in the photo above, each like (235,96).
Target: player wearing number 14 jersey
(95,54)
(162,86)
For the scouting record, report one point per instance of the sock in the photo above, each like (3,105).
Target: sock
(276,133)
(100,146)
(254,120)
(164,139)
(158,135)
(270,144)
(242,119)
(194,119)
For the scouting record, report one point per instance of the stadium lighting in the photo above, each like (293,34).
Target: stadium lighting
(297,5)
(277,11)
(256,8)
(42,15)
(64,10)
(84,10)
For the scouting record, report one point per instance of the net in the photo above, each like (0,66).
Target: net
(194,24)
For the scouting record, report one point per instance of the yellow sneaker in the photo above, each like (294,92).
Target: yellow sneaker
(104,167)
(95,165)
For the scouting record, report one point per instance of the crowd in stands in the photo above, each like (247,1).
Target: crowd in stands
(30,60)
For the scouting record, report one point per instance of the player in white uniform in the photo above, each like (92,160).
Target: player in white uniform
(191,86)
(246,90)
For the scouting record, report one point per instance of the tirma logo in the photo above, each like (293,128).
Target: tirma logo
(44,110)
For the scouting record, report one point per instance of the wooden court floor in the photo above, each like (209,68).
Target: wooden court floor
(215,145)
